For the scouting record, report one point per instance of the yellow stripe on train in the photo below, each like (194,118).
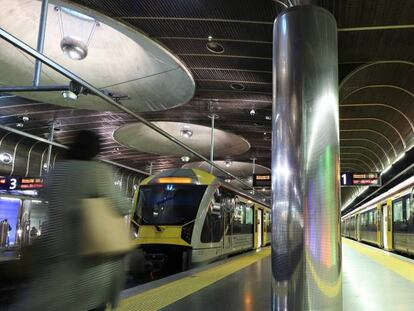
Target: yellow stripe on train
(160,235)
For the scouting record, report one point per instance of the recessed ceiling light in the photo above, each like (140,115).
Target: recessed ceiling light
(268,118)
(6,158)
(214,46)
(25,118)
(186,132)
(185,158)
(228,163)
(19,124)
(237,86)
(252,112)
(74,48)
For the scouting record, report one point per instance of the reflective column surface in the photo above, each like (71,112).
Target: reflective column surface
(306,245)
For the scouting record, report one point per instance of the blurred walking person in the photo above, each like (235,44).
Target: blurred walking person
(67,279)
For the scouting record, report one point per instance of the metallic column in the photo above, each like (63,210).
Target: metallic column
(306,242)
(40,41)
(212,116)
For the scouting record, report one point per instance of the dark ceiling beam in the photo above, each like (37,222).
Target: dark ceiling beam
(372,131)
(233,81)
(373,86)
(365,149)
(347,159)
(197,19)
(371,142)
(376,28)
(370,64)
(381,121)
(359,154)
(216,39)
(230,69)
(359,167)
(224,56)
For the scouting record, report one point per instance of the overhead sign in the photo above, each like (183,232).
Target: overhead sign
(360,179)
(20,183)
(262,180)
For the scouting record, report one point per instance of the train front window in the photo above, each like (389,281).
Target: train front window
(169,204)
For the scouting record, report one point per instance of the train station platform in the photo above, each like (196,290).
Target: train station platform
(372,280)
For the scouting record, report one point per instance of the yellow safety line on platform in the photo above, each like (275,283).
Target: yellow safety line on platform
(160,297)
(401,267)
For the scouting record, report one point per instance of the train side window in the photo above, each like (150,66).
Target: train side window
(248,227)
(213,224)
(238,218)
(398,210)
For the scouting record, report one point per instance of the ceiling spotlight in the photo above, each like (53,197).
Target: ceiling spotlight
(252,112)
(227,180)
(19,124)
(74,90)
(74,48)
(228,163)
(45,166)
(186,132)
(6,158)
(237,86)
(25,118)
(213,46)
(185,158)
(69,95)
(268,118)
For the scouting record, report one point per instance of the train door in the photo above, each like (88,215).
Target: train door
(387,225)
(259,228)
(227,210)
(384,226)
(358,232)
(379,225)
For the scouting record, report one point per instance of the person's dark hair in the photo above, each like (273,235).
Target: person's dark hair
(85,146)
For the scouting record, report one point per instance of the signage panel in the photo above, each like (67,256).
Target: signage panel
(20,183)
(262,180)
(360,179)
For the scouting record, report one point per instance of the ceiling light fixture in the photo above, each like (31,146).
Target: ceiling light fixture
(268,118)
(214,46)
(252,112)
(237,86)
(228,163)
(79,28)
(185,158)
(25,118)
(19,124)
(186,132)
(74,90)
(74,48)
(6,158)
(69,95)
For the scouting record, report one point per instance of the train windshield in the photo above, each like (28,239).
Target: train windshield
(168,204)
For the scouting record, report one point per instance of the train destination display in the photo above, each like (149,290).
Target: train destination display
(262,180)
(360,179)
(20,183)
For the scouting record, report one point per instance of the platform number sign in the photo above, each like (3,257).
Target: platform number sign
(20,183)
(360,179)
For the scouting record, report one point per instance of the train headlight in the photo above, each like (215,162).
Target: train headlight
(187,232)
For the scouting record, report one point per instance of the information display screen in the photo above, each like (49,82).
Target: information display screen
(20,183)
(360,179)
(262,180)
